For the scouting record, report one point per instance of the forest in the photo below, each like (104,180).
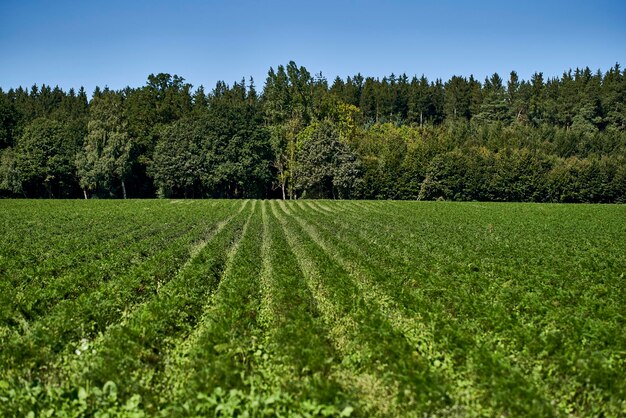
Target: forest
(560,139)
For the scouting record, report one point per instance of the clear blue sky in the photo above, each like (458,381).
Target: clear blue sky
(118,43)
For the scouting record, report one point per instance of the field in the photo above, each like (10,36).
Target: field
(311,308)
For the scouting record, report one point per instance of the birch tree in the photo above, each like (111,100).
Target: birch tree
(106,155)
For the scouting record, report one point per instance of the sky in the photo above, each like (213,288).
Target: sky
(119,43)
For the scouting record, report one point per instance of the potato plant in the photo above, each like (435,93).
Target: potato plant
(311,308)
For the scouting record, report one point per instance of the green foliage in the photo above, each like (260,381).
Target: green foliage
(8,117)
(166,139)
(327,168)
(237,145)
(312,308)
(43,157)
(9,175)
(106,152)
(179,160)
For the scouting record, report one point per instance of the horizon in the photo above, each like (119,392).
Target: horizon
(330,80)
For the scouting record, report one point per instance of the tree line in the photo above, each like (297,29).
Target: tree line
(559,139)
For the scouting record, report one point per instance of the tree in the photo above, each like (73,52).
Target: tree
(172,96)
(235,142)
(238,148)
(383,149)
(476,96)
(105,157)
(457,98)
(287,104)
(179,161)
(420,107)
(494,107)
(614,99)
(9,174)
(536,110)
(369,103)
(200,101)
(326,166)
(515,98)
(8,120)
(44,158)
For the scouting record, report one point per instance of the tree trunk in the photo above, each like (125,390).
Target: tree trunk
(282,186)
(421,119)
(123,189)
(85,193)
(49,190)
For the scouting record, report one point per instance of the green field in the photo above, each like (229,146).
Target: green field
(311,308)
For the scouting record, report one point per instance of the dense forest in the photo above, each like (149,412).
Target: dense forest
(545,140)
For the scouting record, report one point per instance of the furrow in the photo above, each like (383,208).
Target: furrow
(67,318)
(190,341)
(80,367)
(379,395)
(201,244)
(315,208)
(323,298)
(194,253)
(296,350)
(411,327)
(132,354)
(267,301)
(233,300)
(469,394)
(324,207)
(254,363)
(403,250)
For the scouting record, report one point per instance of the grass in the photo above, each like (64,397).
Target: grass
(311,308)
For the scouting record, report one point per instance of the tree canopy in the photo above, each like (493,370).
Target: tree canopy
(560,139)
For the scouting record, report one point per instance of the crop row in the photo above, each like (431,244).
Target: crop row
(546,330)
(30,352)
(322,308)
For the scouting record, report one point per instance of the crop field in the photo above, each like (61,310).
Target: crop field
(311,308)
